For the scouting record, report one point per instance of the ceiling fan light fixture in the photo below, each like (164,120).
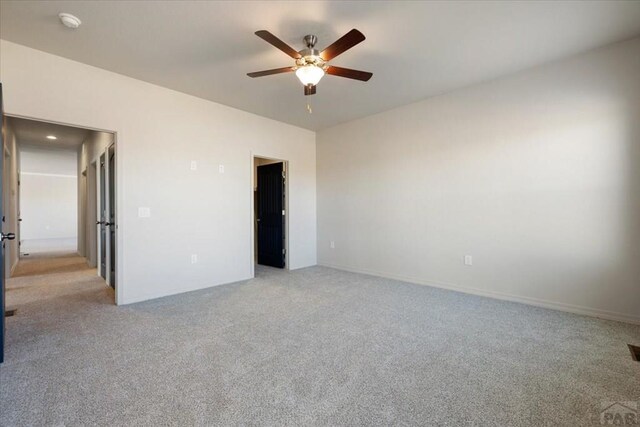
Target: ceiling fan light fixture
(309,74)
(310,64)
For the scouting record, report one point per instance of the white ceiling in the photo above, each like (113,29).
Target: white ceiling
(34,133)
(415,49)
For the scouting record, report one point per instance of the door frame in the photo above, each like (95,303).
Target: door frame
(119,194)
(91,216)
(102,207)
(112,280)
(252,216)
(82,213)
(111,245)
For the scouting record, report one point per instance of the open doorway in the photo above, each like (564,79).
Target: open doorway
(270,219)
(48,194)
(65,201)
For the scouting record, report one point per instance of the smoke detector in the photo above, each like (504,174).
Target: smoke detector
(69,20)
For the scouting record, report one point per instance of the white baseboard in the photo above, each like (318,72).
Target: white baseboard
(148,296)
(568,308)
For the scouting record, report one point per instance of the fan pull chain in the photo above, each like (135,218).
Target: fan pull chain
(309,108)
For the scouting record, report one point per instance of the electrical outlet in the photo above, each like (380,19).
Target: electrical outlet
(468,260)
(333,244)
(194,259)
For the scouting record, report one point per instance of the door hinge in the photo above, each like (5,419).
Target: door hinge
(282,212)
(284,252)
(284,175)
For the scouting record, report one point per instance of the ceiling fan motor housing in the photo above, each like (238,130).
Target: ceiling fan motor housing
(310,56)
(310,40)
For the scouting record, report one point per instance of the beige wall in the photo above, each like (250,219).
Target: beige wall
(159,133)
(535,175)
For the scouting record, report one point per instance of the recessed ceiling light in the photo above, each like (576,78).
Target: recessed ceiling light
(69,20)
(51,137)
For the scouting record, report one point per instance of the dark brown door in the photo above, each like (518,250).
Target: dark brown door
(271,215)
(2,290)
(4,236)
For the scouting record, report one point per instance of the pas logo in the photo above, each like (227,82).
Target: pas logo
(619,413)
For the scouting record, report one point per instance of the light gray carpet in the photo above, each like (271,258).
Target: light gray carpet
(309,347)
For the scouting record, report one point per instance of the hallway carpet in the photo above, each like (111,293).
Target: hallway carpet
(309,347)
(50,262)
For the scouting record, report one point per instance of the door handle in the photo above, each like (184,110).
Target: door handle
(8,236)
(106,224)
(98,222)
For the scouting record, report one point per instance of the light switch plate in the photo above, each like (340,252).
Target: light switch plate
(221,168)
(194,165)
(468,260)
(144,212)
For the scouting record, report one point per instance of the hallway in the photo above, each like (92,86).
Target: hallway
(54,280)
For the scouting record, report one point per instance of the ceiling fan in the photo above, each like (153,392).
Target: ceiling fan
(311,64)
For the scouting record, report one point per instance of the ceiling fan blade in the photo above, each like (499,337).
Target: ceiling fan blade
(273,40)
(310,90)
(343,44)
(269,72)
(349,73)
